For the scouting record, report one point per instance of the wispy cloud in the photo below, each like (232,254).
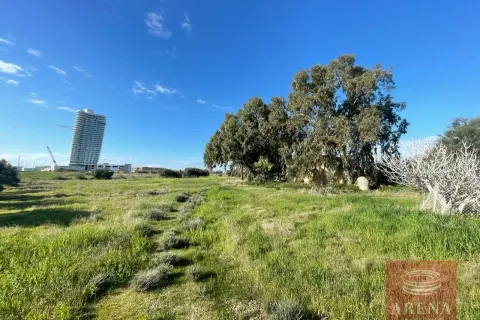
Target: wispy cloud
(12,82)
(182,96)
(186,24)
(172,53)
(36,101)
(35,53)
(85,72)
(154,23)
(164,90)
(66,109)
(58,70)
(200,101)
(139,88)
(6,41)
(216,106)
(10,68)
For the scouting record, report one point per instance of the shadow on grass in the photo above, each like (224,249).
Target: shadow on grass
(27,204)
(20,196)
(41,216)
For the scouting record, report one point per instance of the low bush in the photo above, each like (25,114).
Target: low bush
(102,174)
(98,285)
(166,208)
(172,241)
(144,228)
(198,273)
(80,176)
(60,178)
(169,173)
(195,172)
(182,197)
(194,224)
(287,310)
(169,258)
(151,279)
(156,214)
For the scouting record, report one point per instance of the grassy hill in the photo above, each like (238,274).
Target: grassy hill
(213,248)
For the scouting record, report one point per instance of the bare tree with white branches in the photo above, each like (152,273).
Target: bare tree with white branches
(450,180)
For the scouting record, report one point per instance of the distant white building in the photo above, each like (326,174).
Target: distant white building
(87,140)
(127,168)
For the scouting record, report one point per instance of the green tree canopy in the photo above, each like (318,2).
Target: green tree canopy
(343,113)
(462,131)
(337,116)
(8,174)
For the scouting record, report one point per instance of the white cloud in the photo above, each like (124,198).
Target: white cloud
(171,53)
(58,70)
(139,88)
(154,23)
(34,52)
(85,72)
(10,43)
(186,24)
(12,82)
(201,101)
(216,106)
(66,109)
(36,101)
(164,90)
(10,68)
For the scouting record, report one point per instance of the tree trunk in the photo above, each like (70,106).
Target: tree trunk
(241,166)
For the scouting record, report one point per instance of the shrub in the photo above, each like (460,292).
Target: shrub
(182,197)
(169,258)
(195,172)
(166,208)
(169,173)
(80,176)
(144,228)
(8,174)
(98,285)
(157,192)
(172,241)
(194,224)
(198,273)
(60,178)
(102,174)
(156,214)
(287,310)
(197,198)
(59,195)
(151,279)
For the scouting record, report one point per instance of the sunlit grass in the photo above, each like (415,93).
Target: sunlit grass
(72,248)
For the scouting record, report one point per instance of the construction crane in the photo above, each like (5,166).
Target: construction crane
(51,155)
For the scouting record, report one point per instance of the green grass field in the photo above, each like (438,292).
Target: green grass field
(82,249)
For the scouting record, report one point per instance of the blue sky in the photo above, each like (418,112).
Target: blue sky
(165,72)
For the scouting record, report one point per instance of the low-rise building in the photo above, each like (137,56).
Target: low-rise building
(127,168)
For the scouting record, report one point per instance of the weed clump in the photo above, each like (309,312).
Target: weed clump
(183,197)
(157,192)
(287,310)
(172,241)
(152,278)
(144,228)
(194,224)
(169,258)
(156,214)
(166,208)
(97,286)
(59,195)
(198,273)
